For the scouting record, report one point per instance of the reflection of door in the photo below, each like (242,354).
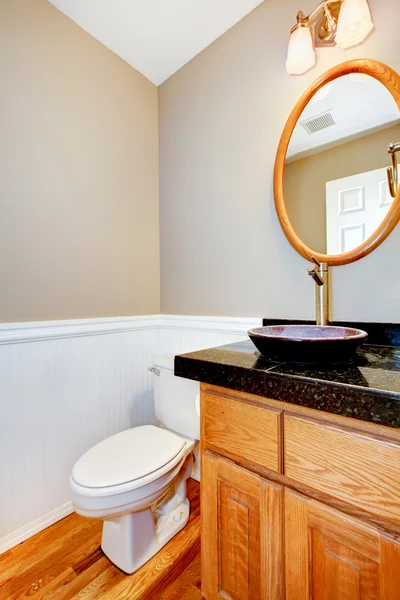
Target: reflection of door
(355,206)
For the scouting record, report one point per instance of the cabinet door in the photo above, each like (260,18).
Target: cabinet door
(331,556)
(241,533)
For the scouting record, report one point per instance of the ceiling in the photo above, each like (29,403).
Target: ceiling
(358,105)
(156,37)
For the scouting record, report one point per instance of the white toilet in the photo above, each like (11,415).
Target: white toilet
(136,480)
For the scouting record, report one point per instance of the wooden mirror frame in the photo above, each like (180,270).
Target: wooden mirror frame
(391,80)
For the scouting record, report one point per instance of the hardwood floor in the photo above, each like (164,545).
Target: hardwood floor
(65,562)
(187,586)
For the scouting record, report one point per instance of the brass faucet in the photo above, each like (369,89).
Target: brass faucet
(392,172)
(320,274)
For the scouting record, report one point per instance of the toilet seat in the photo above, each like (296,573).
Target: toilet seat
(130,496)
(127,461)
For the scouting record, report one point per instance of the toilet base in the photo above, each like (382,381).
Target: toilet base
(130,540)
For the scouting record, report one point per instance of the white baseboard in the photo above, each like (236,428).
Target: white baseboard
(15,538)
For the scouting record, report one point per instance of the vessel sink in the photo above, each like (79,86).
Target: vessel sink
(308,344)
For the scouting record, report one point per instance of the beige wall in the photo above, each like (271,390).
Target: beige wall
(305,180)
(221,116)
(78,173)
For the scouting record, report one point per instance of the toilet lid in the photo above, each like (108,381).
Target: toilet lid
(127,456)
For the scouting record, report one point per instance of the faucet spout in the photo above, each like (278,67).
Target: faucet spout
(320,274)
(314,273)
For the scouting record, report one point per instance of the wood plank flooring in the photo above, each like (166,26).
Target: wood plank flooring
(65,562)
(188,584)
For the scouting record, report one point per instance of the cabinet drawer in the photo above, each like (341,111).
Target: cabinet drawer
(356,468)
(243,430)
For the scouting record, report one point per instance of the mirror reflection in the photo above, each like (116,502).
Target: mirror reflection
(335,182)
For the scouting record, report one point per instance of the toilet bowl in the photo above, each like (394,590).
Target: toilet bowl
(135,481)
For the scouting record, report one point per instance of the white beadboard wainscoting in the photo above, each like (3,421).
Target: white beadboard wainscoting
(66,385)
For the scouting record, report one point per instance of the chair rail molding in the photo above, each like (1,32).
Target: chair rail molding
(12,333)
(235,325)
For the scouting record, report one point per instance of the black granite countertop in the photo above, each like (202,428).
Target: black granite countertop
(368,389)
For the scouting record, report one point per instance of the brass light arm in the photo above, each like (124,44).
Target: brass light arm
(392,172)
(323,20)
(316,12)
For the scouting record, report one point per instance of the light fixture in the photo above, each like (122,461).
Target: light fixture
(345,22)
(301,53)
(354,23)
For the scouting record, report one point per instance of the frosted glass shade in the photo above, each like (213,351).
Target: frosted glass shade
(301,54)
(322,93)
(354,23)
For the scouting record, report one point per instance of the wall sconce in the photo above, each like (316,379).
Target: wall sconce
(342,22)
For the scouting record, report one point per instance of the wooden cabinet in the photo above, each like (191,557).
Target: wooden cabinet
(359,469)
(241,533)
(296,506)
(331,556)
(244,430)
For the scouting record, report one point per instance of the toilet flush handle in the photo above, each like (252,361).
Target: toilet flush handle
(155,371)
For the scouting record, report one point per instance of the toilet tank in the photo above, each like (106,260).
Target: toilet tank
(176,400)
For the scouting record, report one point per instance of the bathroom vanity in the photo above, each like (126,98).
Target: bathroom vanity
(300,479)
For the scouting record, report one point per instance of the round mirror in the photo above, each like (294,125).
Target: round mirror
(331,185)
